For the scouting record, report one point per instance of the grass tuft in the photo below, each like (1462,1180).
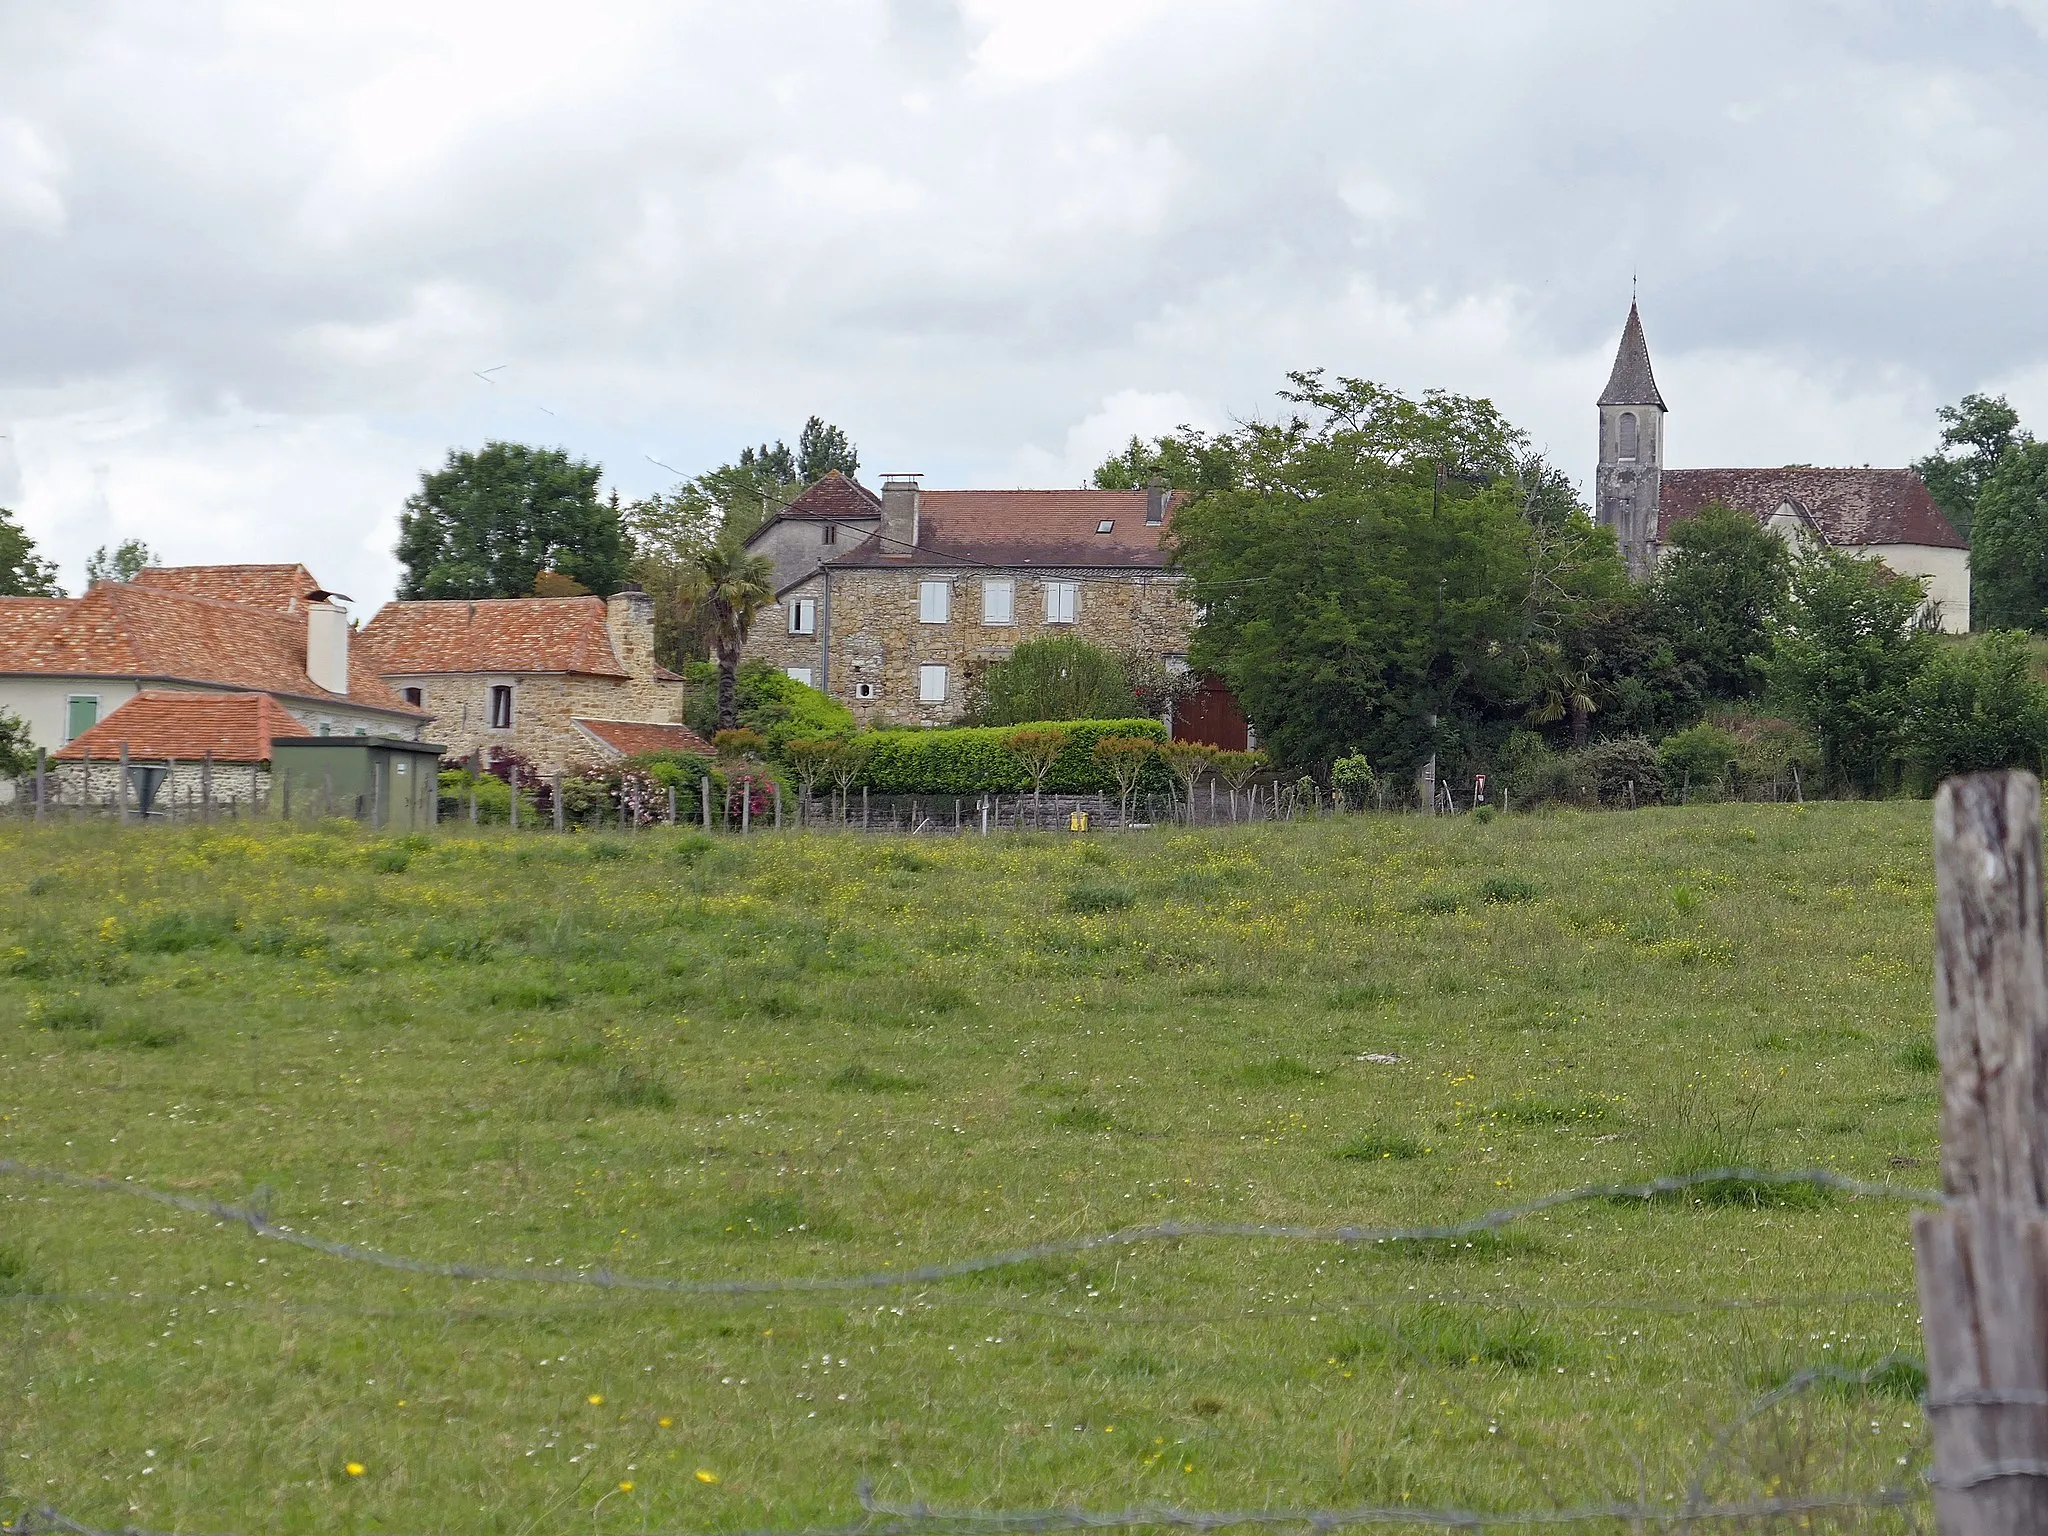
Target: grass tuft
(862,1078)
(1503,890)
(1081,1117)
(1920,1056)
(1280,1072)
(1379,1146)
(1098,898)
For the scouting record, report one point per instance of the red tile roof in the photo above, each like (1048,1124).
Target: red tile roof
(280,588)
(123,629)
(1024,528)
(506,634)
(1851,507)
(161,724)
(629,738)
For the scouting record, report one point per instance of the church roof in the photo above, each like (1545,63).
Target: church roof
(1851,508)
(1632,382)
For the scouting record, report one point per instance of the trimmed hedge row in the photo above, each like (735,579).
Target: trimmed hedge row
(976,760)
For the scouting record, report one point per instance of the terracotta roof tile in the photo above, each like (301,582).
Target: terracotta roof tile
(520,634)
(280,588)
(122,629)
(834,496)
(163,724)
(629,738)
(1853,508)
(1025,528)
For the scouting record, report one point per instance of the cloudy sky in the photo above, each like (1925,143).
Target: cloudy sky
(254,256)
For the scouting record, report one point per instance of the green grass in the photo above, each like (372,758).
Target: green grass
(685,1057)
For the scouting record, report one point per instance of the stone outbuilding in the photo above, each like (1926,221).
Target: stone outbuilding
(518,675)
(892,603)
(1886,513)
(180,745)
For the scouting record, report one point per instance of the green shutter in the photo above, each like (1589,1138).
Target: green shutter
(82,716)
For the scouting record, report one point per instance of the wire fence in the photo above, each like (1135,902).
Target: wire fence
(1700,1499)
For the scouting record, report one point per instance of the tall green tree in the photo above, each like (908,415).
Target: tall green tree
(732,585)
(1849,645)
(1715,594)
(124,562)
(487,523)
(1186,459)
(1977,706)
(1057,678)
(1984,428)
(2009,549)
(1372,581)
(23,572)
(822,448)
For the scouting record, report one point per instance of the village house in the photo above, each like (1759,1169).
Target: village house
(557,681)
(1886,513)
(66,664)
(892,603)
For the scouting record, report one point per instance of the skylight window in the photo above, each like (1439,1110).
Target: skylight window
(1105,525)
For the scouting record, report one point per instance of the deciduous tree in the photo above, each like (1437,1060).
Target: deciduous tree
(23,573)
(1716,592)
(2009,554)
(1984,428)
(488,523)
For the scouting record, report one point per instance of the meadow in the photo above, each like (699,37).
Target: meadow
(826,1055)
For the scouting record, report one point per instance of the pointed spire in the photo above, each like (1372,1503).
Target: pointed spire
(1632,382)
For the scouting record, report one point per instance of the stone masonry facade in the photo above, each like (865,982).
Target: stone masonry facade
(879,641)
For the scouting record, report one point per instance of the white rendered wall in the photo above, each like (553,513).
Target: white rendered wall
(1947,572)
(42,702)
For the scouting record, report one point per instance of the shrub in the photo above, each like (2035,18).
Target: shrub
(770,701)
(1505,889)
(1060,678)
(1700,761)
(1976,707)
(1353,778)
(975,760)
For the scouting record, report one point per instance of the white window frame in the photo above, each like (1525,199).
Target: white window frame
(803,615)
(928,674)
(1062,602)
(801,675)
(490,706)
(934,602)
(999,601)
(863,690)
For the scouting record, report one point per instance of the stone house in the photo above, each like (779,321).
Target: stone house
(1886,513)
(538,676)
(892,603)
(68,663)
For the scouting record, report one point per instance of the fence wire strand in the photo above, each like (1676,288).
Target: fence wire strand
(256,1218)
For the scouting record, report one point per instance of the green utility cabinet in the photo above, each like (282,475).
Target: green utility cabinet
(388,783)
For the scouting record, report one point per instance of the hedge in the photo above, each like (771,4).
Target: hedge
(975,760)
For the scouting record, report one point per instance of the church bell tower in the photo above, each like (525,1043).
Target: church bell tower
(1631,451)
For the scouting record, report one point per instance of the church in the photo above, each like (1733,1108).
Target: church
(1886,513)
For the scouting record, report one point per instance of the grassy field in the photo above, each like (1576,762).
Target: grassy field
(828,1055)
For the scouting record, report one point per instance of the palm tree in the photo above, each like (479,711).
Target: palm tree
(1561,688)
(734,586)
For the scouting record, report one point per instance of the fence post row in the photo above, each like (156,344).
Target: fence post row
(1982,1261)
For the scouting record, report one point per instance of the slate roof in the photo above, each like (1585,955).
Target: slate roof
(1632,382)
(1849,507)
(629,738)
(1024,529)
(160,724)
(279,588)
(124,629)
(504,634)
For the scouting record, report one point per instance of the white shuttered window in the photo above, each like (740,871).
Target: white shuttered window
(1062,600)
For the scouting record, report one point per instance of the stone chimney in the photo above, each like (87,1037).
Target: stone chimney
(1155,501)
(327,641)
(629,621)
(899,515)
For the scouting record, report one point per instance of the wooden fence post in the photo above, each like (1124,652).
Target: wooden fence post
(515,797)
(206,785)
(475,769)
(42,781)
(704,788)
(1983,1261)
(121,784)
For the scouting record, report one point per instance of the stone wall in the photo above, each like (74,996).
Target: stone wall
(544,707)
(878,639)
(95,784)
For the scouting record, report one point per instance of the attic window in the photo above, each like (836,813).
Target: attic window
(831,533)
(1106,525)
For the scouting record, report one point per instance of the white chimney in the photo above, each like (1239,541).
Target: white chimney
(327,641)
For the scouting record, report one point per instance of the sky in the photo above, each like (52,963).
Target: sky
(263,264)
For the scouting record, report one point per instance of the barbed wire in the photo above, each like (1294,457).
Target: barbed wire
(256,1218)
(1137,1316)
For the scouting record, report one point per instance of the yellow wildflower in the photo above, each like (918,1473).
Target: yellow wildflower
(706,1476)
(596,1399)
(354,1469)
